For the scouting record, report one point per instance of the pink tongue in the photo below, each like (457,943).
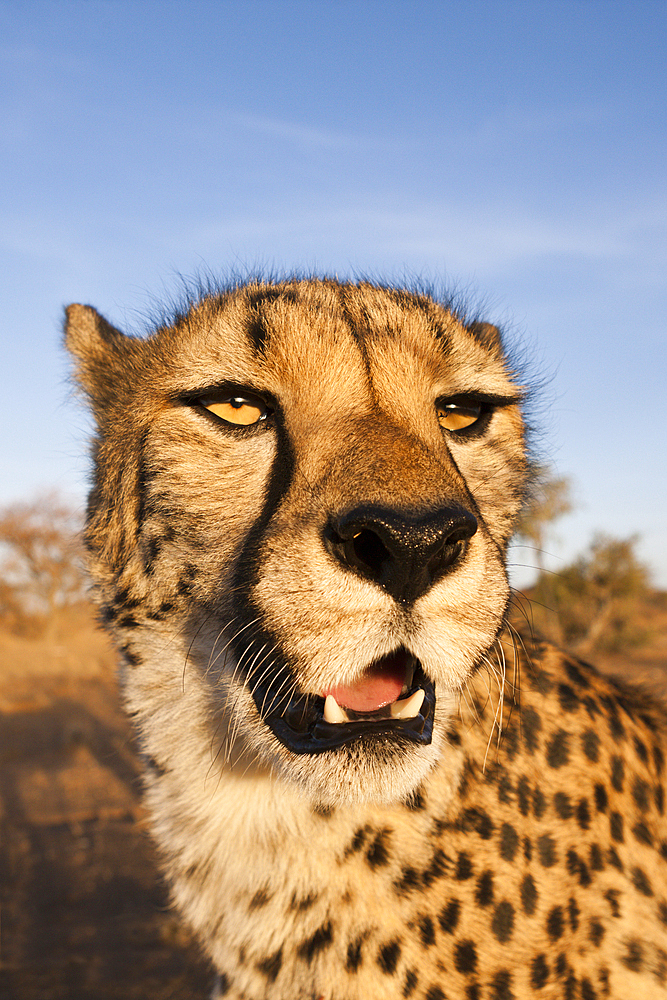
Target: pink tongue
(381,684)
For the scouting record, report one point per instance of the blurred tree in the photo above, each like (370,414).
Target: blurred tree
(593,604)
(41,562)
(550,499)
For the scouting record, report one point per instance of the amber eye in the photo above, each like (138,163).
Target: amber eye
(241,411)
(457,416)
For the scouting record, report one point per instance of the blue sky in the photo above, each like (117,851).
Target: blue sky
(516,150)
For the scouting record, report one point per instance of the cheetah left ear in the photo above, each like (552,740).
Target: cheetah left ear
(102,351)
(488,335)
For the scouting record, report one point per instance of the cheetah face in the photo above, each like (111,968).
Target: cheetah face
(328,478)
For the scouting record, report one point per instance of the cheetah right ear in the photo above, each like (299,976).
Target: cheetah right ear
(102,352)
(487,334)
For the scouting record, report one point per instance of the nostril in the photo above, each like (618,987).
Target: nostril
(369,550)
(363,550)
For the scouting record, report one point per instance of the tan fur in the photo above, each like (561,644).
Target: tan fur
(532,866)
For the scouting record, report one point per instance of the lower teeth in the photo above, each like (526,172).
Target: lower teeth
(406,708)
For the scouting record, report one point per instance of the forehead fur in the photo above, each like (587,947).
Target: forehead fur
(260,325)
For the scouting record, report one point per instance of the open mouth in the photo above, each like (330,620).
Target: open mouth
(392,700)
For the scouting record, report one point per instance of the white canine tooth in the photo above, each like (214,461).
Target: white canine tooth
(409,707)
(333,712)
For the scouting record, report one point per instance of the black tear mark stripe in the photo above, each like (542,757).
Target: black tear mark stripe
(253,638)
(279,482)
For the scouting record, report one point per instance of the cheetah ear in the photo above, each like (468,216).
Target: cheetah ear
(103,353)
(487,334)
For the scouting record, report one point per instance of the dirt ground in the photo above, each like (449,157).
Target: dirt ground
(83,911)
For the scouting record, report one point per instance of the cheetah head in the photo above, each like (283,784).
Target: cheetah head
(303,497)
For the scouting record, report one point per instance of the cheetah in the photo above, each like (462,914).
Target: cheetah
(363,784)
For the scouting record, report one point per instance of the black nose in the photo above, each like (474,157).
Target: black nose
(403,554)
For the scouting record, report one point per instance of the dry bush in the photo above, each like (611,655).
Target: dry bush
(549,500)
(595,604)
(41,563)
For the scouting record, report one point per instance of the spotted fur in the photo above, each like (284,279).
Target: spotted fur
(468,865)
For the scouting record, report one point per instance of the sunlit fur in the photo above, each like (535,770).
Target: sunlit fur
(207,555)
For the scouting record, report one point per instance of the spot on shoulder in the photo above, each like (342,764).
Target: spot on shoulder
(539,803)
(558,749)
(640,749)
(539,972)
(567,698)
(633,958)
(478,820)
(505,789)
(409,881)
(641,881)
(316,943)
(573,913)
(590,742)
(449,916)
(509,841)
(426,930)
(354,956)
(583,814)
(555,923)
(587,991)
(616,827)
(410,984)
(595,858)
(640,793)
(642,834)
(573,670)
(437,867)
(377,854)
(388,956)
(271,966)
(611,895)
(501,986)
(502,921)
(617,773)
(464,867)
(577,866)
(357,842)
(484,890)
(303,903)
(465,957)
(523,795)
(601,798)
(528,893)
(562,805)
(616,727)
(596,932)
(531,725)
(416,801)
(260,899)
